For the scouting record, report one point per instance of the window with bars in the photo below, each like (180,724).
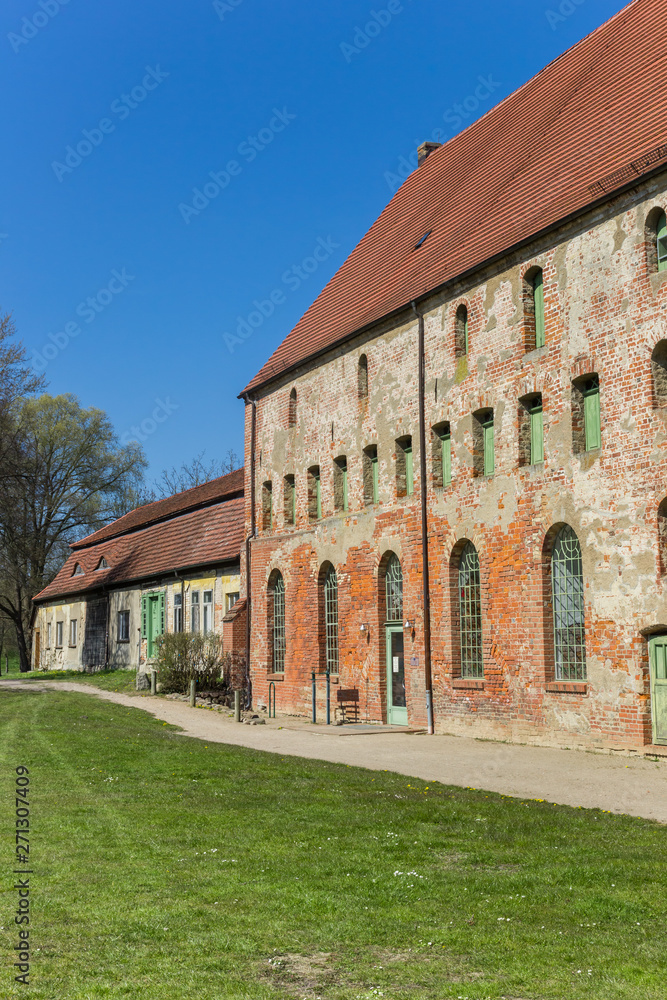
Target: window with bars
(331,620)
(394,589)
(470,613)
(567,595)
(277,623)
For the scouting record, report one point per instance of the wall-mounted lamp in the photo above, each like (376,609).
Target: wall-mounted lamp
(409,623)
(364,627)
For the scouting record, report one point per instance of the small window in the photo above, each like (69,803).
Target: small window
(405,480)
(484,461)
(442,454)
(124,626)
(586,425)
(195,612)
(656,240)
(341,499)
(314,494)
(48,635)
(291,415)
(78,570)
(73,632)
(289,500)
(59,635)
(371,475)
(659,374)
(178,612)
(208,611)
(461,344)
(267,506)
(102,564)
(231,600)
(531,430)
(362,377)
(533,309)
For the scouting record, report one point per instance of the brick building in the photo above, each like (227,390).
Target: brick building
(457,461)
(169,566)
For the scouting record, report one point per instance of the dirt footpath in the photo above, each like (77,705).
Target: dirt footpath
(621,784)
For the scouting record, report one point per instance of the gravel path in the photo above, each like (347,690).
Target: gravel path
(620,784)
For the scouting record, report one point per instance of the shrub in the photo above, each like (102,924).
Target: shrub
(186,656)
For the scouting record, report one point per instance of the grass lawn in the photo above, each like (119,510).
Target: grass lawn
(168,868)
(110,680)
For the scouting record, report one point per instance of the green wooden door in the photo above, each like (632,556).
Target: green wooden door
(658,661)
(152,620)
(397,712)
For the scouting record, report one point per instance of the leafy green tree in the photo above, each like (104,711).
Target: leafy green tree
(62,472)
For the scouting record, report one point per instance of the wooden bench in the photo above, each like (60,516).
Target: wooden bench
(348,704)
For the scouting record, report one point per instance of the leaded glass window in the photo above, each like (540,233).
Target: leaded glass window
(331,620)
(394,589)
(567,587)
(279,625)
(470,613)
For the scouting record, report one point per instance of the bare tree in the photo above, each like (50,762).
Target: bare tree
(194,473)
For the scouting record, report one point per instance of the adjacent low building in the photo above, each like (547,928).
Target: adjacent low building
(169,566)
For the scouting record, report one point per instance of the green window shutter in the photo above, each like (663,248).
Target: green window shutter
(662,242)
(375,466)
(489,448)
(538,299)
(409,472)
(345,498)
(144,617)
(592,418)
(162,612)
(536,435)
(446,443)
(318,494)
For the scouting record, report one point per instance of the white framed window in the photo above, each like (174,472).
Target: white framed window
(73,632)
(123,626)
(178,612)
(59,634)
(231,600)
(208,611)
(195,612)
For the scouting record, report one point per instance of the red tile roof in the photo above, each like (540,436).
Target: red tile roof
(162,510)
(547,151)
(198,538)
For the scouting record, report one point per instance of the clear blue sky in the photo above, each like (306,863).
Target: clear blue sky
(312,117)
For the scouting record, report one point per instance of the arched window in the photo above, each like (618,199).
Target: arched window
(394,589)
(533,308)
(362,377)
(567,598)
(461,332)
(470,613)
(291,413)
(276,621)
(656,240)
(331,621)
(659,373)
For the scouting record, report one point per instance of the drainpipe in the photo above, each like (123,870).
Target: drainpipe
(253,531)
(426,592)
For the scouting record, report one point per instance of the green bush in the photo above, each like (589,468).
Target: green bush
(186,656)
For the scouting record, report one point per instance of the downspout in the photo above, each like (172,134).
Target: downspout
(426,589)
(253,530)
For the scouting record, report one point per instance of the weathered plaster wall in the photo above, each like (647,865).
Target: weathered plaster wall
(604,314)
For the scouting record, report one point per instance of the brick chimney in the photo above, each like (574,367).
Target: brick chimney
(425,150)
